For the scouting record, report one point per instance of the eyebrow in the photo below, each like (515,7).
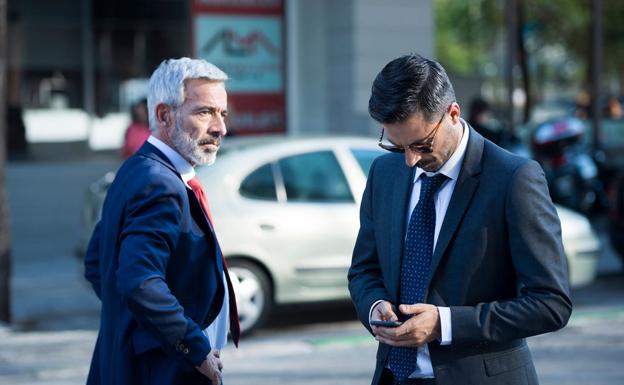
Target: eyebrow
(211,108)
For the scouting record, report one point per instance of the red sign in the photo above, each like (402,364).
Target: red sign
(245,38)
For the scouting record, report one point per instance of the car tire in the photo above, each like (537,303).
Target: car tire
(254,294)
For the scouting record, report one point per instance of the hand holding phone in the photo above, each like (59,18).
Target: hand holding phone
(387,324)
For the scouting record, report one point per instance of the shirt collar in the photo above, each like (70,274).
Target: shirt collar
(452,167)
(182,166)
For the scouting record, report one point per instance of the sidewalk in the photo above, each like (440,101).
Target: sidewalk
(45,358)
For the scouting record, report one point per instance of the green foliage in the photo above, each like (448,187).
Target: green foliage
(466,32)
(613,33)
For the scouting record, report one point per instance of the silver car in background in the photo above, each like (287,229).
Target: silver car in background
(286,212)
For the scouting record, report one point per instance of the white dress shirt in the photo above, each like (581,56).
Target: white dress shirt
(217,331)
(451,169)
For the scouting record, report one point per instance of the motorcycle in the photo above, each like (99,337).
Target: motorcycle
(572,174)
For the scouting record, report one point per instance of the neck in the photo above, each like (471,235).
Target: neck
(458,134)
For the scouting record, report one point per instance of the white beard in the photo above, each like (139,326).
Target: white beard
(188,147)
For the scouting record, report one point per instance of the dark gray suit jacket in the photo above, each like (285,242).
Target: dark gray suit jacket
(498,262)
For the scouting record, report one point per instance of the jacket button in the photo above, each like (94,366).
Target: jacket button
(185,351)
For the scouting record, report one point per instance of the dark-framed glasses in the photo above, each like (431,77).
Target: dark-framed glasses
(423,146)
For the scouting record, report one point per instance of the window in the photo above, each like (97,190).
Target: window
(314,177)
(260,184)
(365,158)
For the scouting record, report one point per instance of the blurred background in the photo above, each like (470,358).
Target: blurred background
(544,79)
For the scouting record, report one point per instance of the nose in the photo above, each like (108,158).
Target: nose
(411,158)
(217,126)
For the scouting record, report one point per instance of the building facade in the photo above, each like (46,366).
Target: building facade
(296,66)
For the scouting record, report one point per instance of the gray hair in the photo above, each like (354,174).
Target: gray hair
(168,81)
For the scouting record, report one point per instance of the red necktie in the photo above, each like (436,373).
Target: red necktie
(196,186)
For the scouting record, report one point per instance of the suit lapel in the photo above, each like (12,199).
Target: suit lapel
(151,151)
(400,198)
(200,217)
(465,187)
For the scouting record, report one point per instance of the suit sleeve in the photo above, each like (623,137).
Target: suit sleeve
(543,303)
(365,278)
(92,262)
(150,232)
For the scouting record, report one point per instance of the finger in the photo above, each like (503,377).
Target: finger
(216,378)
(414,308)
(400,343)
(383,309)
(388,315)
(392,333)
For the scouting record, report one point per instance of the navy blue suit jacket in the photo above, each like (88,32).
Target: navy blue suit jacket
(155,264)
(498,262)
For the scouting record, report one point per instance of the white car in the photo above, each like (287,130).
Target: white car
(286,212)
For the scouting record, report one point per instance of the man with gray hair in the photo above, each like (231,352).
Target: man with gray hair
(153,259)
(459,254)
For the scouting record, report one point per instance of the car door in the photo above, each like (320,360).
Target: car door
(309,223)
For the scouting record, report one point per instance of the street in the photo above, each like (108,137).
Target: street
(56,314)
(589,351)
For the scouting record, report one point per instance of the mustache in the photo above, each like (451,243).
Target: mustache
(213,141)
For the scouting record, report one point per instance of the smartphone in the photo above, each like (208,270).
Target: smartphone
(387,324)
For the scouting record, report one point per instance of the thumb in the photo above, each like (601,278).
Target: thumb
(413,309)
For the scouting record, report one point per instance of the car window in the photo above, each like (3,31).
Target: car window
(365,158)
(314,177)
(260,184)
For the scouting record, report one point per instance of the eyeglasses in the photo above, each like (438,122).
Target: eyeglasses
(423,146)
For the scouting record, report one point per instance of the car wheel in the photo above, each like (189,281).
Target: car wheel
(254,297)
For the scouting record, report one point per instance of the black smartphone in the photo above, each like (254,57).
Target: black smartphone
(387,324)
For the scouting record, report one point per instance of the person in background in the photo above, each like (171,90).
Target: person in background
(138,131)
(459,242)
(614,108)
(480,118)
(154,259)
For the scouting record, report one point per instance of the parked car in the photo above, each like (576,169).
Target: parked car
(286,214)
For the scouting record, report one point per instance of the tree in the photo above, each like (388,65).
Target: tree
(553,46)
(466,31)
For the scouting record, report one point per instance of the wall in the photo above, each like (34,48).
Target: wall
(335,49)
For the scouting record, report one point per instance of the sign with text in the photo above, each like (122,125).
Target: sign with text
(245,38)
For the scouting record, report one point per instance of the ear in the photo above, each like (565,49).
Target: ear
(164,115)
(454,112)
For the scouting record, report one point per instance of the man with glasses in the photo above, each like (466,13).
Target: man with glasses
(459,254)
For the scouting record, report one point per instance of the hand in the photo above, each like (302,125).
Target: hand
(421,328)
(384,311)
(212,367)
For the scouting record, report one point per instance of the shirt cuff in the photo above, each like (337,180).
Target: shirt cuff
(370,312)
(446,330)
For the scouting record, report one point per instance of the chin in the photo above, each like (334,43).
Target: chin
(429,167)
(207,159)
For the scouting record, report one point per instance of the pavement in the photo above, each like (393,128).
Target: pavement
(55,313)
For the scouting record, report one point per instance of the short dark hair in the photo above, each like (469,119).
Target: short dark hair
(407,85)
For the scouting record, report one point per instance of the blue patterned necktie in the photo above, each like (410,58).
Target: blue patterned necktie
(417,253)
